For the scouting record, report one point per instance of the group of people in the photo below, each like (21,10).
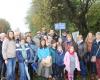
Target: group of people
(50,56)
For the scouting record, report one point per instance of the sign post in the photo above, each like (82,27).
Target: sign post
(60,26)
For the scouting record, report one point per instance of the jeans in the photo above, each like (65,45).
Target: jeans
(22,71)
(54,70)
(1,63)
(11,68)
(60,72)
(83,68)
(2,69)
(98,67)
(93,68)
(30,71)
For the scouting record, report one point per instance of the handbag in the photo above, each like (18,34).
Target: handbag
(47,62)
(93,59)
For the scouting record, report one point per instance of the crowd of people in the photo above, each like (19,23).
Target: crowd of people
(50,56)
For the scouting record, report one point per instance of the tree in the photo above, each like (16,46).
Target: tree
(4,25)
(73,10)
(38,15)
(93,17)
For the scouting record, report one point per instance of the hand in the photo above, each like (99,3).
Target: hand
(26,60)
(6,61)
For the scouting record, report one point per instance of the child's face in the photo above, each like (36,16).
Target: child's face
(54,45)
(59,48)
(71,49)
(79,38)
(43,42)
(69,38)
(22,41)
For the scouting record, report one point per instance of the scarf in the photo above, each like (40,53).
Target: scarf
(71,53)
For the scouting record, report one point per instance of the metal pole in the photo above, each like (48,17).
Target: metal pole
(60,33)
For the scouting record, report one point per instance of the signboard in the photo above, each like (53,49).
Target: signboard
(75,35)
(60,26)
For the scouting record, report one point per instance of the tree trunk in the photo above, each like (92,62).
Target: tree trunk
(81,24)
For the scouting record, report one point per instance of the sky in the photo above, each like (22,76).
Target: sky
(15,11)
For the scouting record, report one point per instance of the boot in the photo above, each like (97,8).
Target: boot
(92,77)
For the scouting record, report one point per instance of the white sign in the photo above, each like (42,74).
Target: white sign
(75,35)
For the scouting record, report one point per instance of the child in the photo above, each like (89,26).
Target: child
(71,62)
(23,55)
(53,52)
(59,62)
(45,63)
(81,54)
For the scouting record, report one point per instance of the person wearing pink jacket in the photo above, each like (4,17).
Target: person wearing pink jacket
(71,62)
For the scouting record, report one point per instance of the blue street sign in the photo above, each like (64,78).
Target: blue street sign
(59,26)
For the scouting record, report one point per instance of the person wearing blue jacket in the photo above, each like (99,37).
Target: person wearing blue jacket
(60,62)
(43,53)
(23,56)
(96,52)
(32,66)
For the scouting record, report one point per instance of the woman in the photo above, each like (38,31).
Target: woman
(96,52)
(9,54)
(44,56)
(88,46)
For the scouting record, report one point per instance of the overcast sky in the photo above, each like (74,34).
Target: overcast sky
(15,11)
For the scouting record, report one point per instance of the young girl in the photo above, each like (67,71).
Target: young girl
(9,54)
(23,55)
(81,55)
(59,62)
(71,62)
(44,56)
(68,43)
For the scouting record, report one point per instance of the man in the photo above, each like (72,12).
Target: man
(2,64)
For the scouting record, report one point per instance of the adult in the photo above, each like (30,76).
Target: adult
(37,38)
(9,55)
(88,45)
(96,52)
(53,34)
(2,64)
